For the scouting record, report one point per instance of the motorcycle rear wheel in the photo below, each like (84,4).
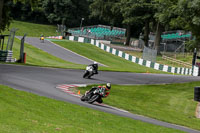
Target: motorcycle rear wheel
(93,99)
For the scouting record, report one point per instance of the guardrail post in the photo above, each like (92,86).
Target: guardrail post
(197,94)
(21,56)
(24,59)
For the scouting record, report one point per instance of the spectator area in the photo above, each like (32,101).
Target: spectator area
(175,36)
(98,32)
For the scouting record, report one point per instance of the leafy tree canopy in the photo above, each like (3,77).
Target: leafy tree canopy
(68,12)
(5,18)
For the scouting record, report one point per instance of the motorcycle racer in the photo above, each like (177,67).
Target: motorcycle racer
(91,70)
(103,91)
(95,66)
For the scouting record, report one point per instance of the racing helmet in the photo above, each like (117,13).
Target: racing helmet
(108,86)
(95,62)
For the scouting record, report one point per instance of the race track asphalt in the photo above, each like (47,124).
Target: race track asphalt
(58,51)
(43,81)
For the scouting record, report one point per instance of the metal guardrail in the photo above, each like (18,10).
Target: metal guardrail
(185,64)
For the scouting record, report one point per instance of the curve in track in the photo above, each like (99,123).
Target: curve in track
(58,51)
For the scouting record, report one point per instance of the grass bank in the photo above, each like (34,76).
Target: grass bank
(113,62)
(35,30)
(32,29)
(39,57)
(172,103)
(25,112)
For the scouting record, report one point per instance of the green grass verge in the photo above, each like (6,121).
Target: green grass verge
(172,103)
(25,112)
(115,63)
(32,29)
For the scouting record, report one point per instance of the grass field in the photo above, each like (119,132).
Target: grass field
(31,29)
(113,62)
(172,102)
(38,57)
(25,112)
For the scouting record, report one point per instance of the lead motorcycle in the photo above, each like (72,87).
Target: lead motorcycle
(88,72)
(93,95)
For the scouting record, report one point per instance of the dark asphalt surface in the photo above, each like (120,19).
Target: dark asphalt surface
(42,81)
(57,51)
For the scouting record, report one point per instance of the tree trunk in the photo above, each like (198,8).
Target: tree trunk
(146,33)
(158,38)
(1,12)
(128,35)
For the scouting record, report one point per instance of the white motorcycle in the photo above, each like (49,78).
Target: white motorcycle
(88,72)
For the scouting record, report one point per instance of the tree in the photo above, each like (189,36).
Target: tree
(34,3)
(4,15)
(128,12)
(1,9)
(67,12)
(106,10)
(164,15)
(137,12)
(189,18)
(5,18)
(1,14)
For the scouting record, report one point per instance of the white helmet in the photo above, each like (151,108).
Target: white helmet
(95,62)
(108,86)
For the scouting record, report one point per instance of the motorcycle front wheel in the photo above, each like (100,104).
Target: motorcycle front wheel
(83,98)
(85,74)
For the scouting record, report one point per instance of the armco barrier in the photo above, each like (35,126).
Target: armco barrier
(6,56)
(179,70)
